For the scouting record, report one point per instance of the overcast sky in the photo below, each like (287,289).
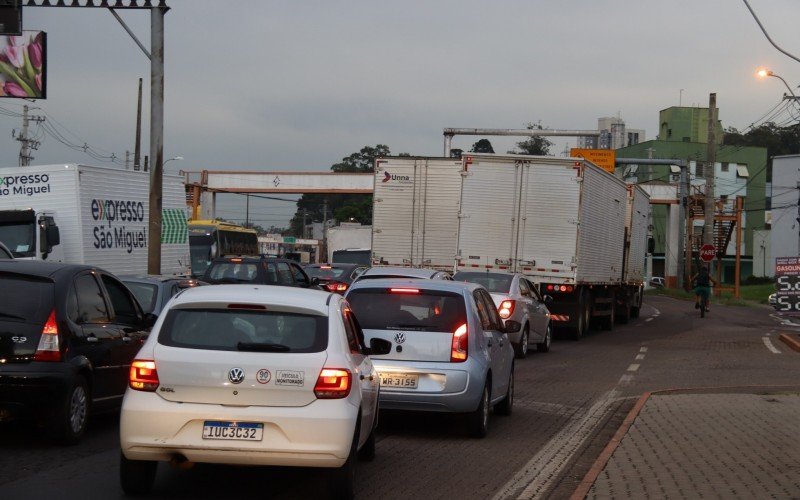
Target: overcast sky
(297,85)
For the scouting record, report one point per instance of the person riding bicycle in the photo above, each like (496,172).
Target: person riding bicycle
(702,287)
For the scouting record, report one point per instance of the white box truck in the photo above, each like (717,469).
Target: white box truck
(91,215)
(415,212)
(349,243)
(561,222)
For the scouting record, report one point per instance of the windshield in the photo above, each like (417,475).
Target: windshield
(494,282)
(146,294)
(244,330)
(325,273)
(200,251)
(352,257)
(426,310)
(31,301)
(19,237)
(232,272)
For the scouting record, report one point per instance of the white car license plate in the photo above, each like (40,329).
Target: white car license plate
(399,380)
(233,431)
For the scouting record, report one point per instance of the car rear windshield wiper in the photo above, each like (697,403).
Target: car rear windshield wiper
(14,316)
(261,347)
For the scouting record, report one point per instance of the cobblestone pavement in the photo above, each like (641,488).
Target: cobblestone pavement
(708,446)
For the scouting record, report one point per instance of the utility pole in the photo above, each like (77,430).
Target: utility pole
(137,151)
(156,138)
(711,158)
(247,211)
(324,246)
(26,144)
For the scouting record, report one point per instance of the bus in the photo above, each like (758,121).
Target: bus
(209,239)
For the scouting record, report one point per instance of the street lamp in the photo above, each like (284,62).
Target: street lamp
(179,158)
(763,73)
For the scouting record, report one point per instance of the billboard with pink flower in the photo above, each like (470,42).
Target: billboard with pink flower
(23,65)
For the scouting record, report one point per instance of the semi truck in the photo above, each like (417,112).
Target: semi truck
(415,212)
(572,228)
(94,215)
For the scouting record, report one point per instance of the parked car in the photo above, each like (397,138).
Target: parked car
(657,282)
(259,271)
(335,277)
(450,350)
(68,334)
(384,272)
(5,253)
(517,299)
(154,291)
(254,375)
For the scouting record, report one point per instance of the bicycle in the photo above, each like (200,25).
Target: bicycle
(703,304)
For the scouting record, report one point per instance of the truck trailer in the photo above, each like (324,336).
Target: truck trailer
(572,228)
(84,214)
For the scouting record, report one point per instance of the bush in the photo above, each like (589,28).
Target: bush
(758,280)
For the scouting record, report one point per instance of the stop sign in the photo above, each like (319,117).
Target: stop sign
(708,252)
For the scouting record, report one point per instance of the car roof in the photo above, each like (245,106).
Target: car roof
(41,269)
(266,295)
(438,285)
(411,272)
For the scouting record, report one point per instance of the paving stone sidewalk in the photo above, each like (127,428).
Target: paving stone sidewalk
(708,446)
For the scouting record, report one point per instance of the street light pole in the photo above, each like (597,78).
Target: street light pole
(156,137)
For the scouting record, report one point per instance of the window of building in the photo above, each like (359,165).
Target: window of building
(741,171)
(725,166)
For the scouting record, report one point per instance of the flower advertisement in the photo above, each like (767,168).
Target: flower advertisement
(22,65)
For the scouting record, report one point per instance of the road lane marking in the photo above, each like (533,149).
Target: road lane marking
(633,368)
(625,379)
(643,349)
(639,357)
(648,319)
(539,474)
(769,345)
(784,321)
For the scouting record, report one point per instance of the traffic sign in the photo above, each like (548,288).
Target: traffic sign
(708,252)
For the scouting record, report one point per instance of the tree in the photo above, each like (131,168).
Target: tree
(342,207)
(777,140)
(536,145)
(482,146)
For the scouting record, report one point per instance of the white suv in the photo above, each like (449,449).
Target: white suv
(256,375)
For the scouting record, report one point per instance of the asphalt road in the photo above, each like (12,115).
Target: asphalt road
(568,404)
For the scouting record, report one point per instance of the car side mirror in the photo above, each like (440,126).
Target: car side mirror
(378,347)
(314,282)
(150,320)
(548,299)
(511,326)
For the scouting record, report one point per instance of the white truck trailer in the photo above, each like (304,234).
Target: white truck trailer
(348,236)
(561,222)
(415,212)
(91,215)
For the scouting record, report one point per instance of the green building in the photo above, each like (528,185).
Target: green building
(739,171)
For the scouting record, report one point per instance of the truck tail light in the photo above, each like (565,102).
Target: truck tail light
(143,375)
(458,351)
(333,383)
(49,348)
(506,308)
(335,286)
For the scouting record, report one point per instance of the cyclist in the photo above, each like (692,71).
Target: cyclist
(702,287)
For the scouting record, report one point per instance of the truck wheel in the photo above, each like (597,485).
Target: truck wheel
(583,318)
(608,323)
(521,349)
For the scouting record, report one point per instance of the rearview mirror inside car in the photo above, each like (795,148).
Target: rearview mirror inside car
(378,347)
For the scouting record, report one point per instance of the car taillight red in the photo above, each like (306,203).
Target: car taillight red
(335,286)
(506,308)
(333,383)
(143,375)
(458,351)
(49,348)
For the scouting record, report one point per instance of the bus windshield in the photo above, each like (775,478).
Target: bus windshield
(201,252)
(209,241)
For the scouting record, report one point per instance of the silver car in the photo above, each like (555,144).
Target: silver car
(450,351)
(385,272)
(517,299)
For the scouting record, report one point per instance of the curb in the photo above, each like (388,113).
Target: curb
(792,340)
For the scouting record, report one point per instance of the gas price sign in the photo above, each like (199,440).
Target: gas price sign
(787,284)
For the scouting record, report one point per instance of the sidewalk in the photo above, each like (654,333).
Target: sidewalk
(704,446)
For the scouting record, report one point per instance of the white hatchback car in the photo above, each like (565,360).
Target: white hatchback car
(251,374)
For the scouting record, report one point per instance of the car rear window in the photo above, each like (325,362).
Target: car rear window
(423,310)
(30,302)
(245,330)
(325,272)
(233,271)
(146,294)
(494,282)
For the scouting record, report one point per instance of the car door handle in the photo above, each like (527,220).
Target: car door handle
(91,338)
(126,339)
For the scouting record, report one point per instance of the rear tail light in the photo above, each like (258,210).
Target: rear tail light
(143,375)
(458,351)
(335,286)
(49,348)
(560,288)
(506,308)
(333,383)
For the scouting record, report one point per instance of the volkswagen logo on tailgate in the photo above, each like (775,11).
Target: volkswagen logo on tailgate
(399,337)
(236,375)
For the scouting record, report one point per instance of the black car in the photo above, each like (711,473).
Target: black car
(335,277)
(68,334)
(154,291)
(258,270)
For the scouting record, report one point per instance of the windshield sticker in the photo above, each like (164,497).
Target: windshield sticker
(263,376)
(285,377)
